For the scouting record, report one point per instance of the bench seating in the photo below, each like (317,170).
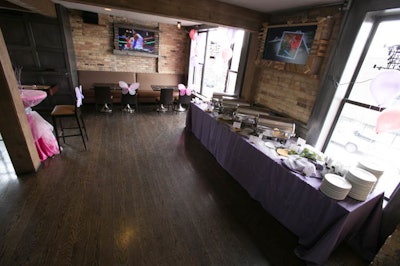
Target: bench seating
(145,93)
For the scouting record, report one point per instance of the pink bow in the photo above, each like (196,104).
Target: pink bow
(184,90)
(128,89)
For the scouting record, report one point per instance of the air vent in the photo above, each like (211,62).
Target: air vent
(90,17)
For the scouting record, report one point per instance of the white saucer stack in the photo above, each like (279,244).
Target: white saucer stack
(362,183)
(373,167)
(335,186)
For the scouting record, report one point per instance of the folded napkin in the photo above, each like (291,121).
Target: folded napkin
(301,165)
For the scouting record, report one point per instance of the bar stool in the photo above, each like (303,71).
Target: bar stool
(185,97)
(166,99)
(70,111)
(129,96)
(183,100)
(103,97)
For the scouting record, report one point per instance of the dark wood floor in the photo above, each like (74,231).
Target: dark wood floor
(145,193)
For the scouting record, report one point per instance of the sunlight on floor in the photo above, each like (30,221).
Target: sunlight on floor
(7,171)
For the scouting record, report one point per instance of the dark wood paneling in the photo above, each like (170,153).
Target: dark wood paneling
(47,34)
(22,57)
(52,60)
(210,11)
(37,44)
(14,30)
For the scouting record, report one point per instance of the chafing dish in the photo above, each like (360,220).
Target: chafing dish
(247,116)
(226,107)
(276,127)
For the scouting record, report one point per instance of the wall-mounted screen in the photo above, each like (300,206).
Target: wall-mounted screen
(290,44)
(135,39)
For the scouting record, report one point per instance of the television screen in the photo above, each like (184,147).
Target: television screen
(130,38)
(290,44)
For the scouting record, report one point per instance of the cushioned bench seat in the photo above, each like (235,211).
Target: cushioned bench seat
(145,93)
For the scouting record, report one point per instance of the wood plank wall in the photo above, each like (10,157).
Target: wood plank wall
(205,11)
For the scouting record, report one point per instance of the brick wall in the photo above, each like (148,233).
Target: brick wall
(286,88)
(94,47)
(287,93)
(291,89)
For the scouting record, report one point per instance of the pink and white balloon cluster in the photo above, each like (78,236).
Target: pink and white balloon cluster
(226,52)
(384,88)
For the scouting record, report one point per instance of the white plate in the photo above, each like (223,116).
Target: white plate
(338,181)
(362,175)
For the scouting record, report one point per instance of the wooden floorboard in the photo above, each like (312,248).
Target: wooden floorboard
(146,192)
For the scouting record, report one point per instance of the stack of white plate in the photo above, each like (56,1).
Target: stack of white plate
(335,186)
(373,167)
(362,183)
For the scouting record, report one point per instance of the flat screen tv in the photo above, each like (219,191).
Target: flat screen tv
(290,44)
(129,38)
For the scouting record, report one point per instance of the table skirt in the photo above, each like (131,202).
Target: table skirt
(320,222)
(42,132)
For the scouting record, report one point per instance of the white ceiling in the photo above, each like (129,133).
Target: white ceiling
(265,6)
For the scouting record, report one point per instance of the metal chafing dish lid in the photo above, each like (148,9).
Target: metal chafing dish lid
(275,122)
(245,111)
(234,103)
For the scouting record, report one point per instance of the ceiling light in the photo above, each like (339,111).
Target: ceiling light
(178,25)
(107,9)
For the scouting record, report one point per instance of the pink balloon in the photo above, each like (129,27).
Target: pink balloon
(193,34)
(385,86)
(226,54)
(388,120)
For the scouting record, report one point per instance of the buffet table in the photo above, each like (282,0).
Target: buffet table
(42,131)
(321,223)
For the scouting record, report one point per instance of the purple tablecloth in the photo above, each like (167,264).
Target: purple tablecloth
(321,223)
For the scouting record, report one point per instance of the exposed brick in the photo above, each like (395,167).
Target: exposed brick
(94,47)
(286,88)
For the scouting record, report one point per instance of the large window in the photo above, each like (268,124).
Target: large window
(215,58)
(353,136)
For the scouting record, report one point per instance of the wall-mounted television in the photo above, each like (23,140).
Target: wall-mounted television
(290,44)
(130,39)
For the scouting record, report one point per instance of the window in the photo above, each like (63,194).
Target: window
(215,59)
(353,136)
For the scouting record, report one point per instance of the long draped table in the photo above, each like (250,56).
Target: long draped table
(321,223)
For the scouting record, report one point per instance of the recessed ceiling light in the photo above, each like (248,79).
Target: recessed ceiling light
(107,9)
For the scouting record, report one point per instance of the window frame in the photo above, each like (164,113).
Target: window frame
(346,100)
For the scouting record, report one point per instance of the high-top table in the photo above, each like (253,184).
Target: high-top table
(50,90)
(42,131)
(321,223)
